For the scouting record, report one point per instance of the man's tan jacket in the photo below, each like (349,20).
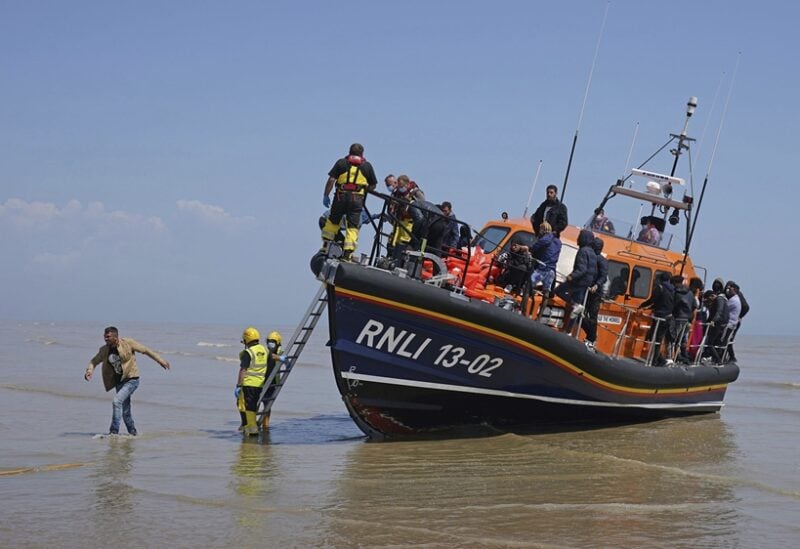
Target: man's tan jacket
(126,349)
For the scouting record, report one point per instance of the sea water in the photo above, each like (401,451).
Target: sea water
(190,480)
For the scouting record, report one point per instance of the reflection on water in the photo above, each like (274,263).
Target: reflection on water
(606,487)
(254,469)
(110,479)
(114,496)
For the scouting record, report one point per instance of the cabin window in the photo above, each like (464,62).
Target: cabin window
(618,275)
(523,237)
(490,238)
(640,282)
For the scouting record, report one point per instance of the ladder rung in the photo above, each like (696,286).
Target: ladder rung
(295,347)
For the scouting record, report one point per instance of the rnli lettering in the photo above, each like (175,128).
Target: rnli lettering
(376,335)
(400,343)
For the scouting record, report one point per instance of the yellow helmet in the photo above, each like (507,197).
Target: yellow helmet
(275,336)
(249,335)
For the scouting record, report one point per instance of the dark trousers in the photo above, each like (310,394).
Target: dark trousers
(514,275)
(656,335)
(348,205)
(251,395)
(571,293)
(589,324)
(713,341)
(731,339)
(676,338)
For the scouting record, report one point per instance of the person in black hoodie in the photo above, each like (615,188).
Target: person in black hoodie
(596,294)
(718,315)
(682,312)
(583,275)
(662,302)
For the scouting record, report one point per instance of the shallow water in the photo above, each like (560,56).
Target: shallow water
(188,480)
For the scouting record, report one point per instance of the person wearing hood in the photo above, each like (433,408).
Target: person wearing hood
(717,322)
(551,210)
(682,311)
(583,275)
(596,294)
(662,302)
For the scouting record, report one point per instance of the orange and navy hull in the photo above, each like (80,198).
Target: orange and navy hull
(414,360)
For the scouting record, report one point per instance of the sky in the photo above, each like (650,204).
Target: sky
(165,161)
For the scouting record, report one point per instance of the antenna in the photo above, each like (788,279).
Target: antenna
(630,151)
(583,106)
(535,179)
(701,141)
(691,106)
(711,161)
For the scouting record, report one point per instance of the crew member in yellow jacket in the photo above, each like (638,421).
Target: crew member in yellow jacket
(353,176)
(275,348)
(120,372)
(252,373)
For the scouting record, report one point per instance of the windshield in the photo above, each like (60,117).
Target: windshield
(490,238)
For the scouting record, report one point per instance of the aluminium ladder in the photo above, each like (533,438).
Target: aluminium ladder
(280,372)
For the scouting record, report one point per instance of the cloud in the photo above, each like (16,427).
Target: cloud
(43,236)
(95,211)
(54,260)
(46,216)
(212,215)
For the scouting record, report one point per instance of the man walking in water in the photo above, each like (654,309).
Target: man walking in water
(120,372)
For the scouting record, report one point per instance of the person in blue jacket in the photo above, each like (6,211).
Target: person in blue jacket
(545,252)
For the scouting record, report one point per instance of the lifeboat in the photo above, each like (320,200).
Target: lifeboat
(427,342)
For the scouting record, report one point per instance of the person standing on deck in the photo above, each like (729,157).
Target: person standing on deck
(551,210)
(662,301)
(733,288)
(596,294)
(451,235)
(121,373)
(353,176)
(584,273)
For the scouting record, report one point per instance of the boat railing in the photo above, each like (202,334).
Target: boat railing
(721,347)
(623,330)
(676,342)
(409,245)
(576,329)
(627,340)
